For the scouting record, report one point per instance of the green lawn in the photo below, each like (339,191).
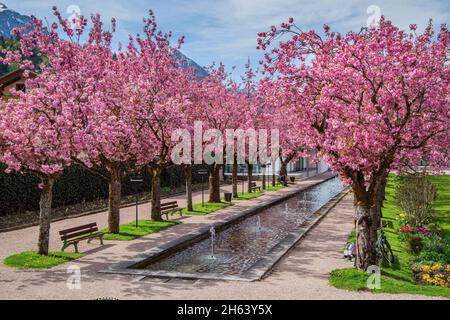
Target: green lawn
(398,278)
(442,205)
(209,207)
(32,260)
(130,232)
(249,195)
(274,188)
(253,195)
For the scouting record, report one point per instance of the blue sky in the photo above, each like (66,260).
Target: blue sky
(226,30)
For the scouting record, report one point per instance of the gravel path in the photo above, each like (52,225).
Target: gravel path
(302,274)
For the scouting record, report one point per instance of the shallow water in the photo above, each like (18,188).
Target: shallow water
(241,245)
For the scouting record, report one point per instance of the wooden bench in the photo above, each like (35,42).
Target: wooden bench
(255,187)
(74,235)
(170,207)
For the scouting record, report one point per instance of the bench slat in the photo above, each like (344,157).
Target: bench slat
(78,234)
(169,203)
(91,236)
(169,207)
(87,226)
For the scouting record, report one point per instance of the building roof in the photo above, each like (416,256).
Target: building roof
(12,77)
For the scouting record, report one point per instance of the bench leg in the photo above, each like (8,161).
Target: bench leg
(101,240)
(64,246)
(167,216)
(75,244)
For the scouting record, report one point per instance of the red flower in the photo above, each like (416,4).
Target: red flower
(406,228)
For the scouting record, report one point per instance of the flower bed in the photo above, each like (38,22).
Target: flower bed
(423,238)
(436,274)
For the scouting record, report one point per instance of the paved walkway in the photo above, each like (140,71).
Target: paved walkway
(303,274)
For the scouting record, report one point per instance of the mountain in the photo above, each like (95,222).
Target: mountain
(189,63)
(10,19)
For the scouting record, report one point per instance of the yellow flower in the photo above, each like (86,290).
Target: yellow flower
(436,267)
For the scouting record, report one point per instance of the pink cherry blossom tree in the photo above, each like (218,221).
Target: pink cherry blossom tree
(88,79)
(255,115)
(217,110)
(370,102)
(37,139)
(162,93)
(292,144)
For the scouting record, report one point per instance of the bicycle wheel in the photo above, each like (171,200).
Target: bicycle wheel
(386,252)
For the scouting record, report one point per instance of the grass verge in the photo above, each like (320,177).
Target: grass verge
(398,277)
(129,231)
(355,280)
(274,188)
(442,204)
(33,260)
(248,195)
(208,208)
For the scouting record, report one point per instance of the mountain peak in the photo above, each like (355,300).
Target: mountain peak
(10,19)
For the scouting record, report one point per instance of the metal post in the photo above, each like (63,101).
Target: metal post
(137,180)
(203,192)
(203,173)
(137,208)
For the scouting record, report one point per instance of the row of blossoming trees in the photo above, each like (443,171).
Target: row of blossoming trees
(368,103)
(114,113)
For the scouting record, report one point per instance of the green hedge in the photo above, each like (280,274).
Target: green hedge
(19,193)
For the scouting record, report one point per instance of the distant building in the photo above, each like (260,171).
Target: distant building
(12,80)
(298,168)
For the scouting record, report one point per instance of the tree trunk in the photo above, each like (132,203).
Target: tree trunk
(234,177)
(214,183)
(366,236)
(283,169)
(284,164)
(250,177)
(376,210)
(264,179)
(45,215)
(115,193)
(188,173)
(156,193)
(307,166)
(274,177)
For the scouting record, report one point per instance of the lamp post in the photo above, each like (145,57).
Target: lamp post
(136,180)
(203,173)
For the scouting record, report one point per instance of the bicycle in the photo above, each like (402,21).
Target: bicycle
(384,249)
